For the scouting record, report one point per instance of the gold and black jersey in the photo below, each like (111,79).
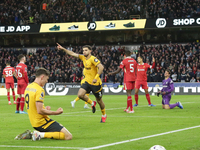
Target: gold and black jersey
(90,69)
(35,93)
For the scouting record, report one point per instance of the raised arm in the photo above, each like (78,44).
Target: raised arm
(71,53)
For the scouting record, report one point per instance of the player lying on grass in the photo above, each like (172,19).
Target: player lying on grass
(38,114)
(168,87)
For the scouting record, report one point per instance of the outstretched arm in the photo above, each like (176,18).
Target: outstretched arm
(71,53)
(115,72)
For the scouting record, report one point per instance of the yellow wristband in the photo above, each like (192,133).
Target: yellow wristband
(96,77)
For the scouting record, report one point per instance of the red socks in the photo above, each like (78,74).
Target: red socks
(13,94)
(136,99)
(8,96)
(22,104)
(148,99)
(129,102)
(18,103)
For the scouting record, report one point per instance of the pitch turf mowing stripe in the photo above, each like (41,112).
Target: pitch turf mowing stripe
(79,148)
(146,137)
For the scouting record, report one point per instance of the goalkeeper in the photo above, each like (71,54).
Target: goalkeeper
(168,87)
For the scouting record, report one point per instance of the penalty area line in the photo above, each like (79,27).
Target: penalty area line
(79,148)
(141,138)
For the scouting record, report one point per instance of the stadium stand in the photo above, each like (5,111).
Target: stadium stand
(182,59)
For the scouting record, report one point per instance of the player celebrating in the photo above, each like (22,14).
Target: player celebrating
(8,73)
(168,87)
(91,82)
(22,83)
(142,79)
(129,66)
(38,114)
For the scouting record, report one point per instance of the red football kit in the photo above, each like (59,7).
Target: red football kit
(129,66)
(22,78)
(142,75)
(8,72)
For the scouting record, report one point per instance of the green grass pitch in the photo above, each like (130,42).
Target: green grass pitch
(88,132)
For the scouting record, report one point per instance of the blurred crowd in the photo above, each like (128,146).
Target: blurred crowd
(14,12)
(44,11)
(182,60)
(173,8)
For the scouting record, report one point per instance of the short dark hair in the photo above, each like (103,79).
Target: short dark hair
(7,63)
(41,71)
(87,46)
(127,53)
(20,56)
(141,57)
(169,71)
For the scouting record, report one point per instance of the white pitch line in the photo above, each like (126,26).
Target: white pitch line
(145,137)
(79,148)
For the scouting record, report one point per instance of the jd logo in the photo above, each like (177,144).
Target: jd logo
(53,89)
(91,26)
(161,22)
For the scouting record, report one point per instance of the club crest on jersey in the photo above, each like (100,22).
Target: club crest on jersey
(143,66)
(95,60)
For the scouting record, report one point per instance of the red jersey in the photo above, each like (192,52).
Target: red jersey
(8,72)
(142,71)
(129,65)
(22,77)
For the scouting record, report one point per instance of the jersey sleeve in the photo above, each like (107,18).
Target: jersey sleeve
(40,96)
(81,57)
(25,74)
(13,69)
(95,61)
(122,65)
(171,86)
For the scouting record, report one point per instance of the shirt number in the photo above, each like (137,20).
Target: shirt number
(27,101)
(19,74)
(9,73)
(131,68)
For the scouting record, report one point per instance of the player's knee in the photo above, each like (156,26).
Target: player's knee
(166,107)
(80,96)
(68,136)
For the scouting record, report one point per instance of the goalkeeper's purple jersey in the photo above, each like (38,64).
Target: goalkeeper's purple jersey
(168,86)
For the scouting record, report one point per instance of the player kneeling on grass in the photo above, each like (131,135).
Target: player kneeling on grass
(168,87)
(38,114)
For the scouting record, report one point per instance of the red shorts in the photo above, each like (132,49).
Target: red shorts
(138,84)
(21,88)
(129,85)
(9,85)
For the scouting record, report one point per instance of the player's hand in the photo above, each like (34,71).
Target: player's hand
(48,108)
(59,110)
(110,74)
(163,93)
(59,47)
(153,59)
(94,81)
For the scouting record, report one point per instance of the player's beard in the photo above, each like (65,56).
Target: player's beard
(86,55)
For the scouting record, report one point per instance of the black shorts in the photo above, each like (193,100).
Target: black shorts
(96,89)
(54,127)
